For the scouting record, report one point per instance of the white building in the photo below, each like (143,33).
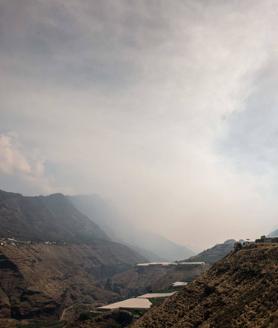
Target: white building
(179,284)
(129,304)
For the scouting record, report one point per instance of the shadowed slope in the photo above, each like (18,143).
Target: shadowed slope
(44,218)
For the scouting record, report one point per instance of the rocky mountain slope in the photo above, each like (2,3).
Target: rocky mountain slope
(45,218)
(52,255)
(214,253)
(239,291)
(39,280)
(150,245)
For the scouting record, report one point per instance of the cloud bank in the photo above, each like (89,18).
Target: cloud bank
(166,108)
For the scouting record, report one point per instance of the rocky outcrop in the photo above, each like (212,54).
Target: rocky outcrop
(17,299)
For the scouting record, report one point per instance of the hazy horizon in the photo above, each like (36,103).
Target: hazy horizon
(166,109)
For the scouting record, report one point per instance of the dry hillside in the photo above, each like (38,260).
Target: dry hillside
(215,253)
(138,280)
(239,291)
(39,280)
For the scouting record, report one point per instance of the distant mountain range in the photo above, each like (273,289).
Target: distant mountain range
(214,253)
(56,251)
(150,245)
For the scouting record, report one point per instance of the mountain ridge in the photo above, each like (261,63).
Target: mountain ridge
(214,253)
(45,218)
(52,255)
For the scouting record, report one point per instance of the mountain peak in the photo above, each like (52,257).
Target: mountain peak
(45,218)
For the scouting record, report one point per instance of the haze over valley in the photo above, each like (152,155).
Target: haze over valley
(157,108)
(138,164)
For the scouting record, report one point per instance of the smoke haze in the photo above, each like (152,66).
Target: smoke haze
(166,108)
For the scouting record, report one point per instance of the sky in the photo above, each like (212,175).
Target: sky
(167,109)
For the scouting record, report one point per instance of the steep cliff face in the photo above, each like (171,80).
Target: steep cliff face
(39,281)
(239,291)
(17,298)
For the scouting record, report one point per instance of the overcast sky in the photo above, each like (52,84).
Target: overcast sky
(168,109)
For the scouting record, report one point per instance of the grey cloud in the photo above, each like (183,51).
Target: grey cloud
(127,99)
(77,43)
(252,136)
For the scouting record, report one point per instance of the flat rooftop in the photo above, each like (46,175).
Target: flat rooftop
(131,303)
(155,263)
(179,283)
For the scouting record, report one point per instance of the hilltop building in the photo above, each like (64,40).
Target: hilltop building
(265,239)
